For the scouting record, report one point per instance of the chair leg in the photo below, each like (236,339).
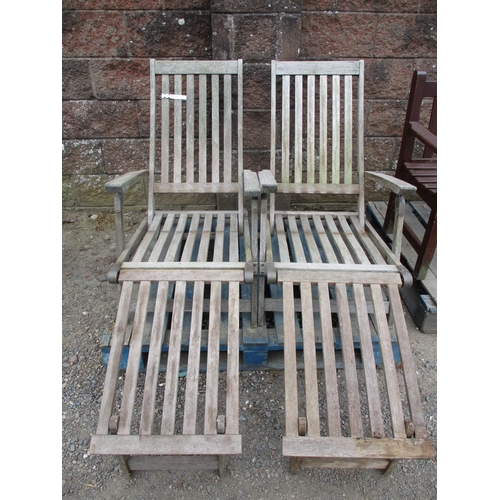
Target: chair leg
(389,215)
(294,465)
(390,467)
(428,247)
(123,462)
(222,465)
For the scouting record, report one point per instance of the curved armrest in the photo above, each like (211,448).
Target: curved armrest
(124,182)
(397,186)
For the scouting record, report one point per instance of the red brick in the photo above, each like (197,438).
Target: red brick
(406,36)
(385,118)
(380,154)
(76,81)
(328,36)
(93,34)
(256,6)
(116,4)
(168,34)
(365,5)
(99,119)
(125,155)
(391,78)
(256,129)
(256,86)
(222,36)
(289,37)
(121,79)
(82,157)
(255,37)
(256,160)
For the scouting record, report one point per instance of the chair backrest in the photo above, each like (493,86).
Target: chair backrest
(421,110)
(201,106)
(322,125)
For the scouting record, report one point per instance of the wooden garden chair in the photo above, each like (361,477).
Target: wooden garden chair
(418,166)
(336,280)
(181,276)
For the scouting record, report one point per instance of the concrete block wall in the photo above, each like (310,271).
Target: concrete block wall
(107,45)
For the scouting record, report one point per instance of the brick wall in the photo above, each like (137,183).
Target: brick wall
(107,45)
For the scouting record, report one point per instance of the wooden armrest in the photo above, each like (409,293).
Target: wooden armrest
(267,181)
(424,135)
(122,183)
(397,186)
(251,186)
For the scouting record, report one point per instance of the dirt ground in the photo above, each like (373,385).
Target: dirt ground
(88,307)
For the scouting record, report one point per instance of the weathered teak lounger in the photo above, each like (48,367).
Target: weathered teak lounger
(180,279)
(337,280)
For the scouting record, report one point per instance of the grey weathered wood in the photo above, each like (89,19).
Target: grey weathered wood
(195,67)
(218,444)
(386,448)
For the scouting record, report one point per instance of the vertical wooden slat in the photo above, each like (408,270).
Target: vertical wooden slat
(210,423)
(240,145)
(310,367)
(408,363)
(285,130)
(178,130)
(369,368)
(109,390)
(165,129)
(153,365)
(273,118)
(339,242)
(332,396)
(232,402)
(227,128)
(291,404)
(272,166)
(190,128)
(202,132)
(298,129)
(310,127)
(134,358)
(335,129)
(348,129)
(323,132)
(361,150)
(215,129)
(152,139)
(163,237)
(351,377)
(391,376)
(172,373)
(193,370)
(328,337)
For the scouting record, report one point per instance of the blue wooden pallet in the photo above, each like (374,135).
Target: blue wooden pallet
(256,353)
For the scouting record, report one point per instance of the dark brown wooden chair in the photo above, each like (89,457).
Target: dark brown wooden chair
(417,165)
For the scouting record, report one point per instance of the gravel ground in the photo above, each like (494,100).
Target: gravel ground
(89,305)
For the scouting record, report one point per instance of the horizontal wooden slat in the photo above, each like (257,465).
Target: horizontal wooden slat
(218,444)
(333,447)
(318,188)
(196,67)
(226,272)
(317,68)
(196,187)
(337,273)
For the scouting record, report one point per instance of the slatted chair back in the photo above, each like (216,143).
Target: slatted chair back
(196,108)
(318,146)
(421,116)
